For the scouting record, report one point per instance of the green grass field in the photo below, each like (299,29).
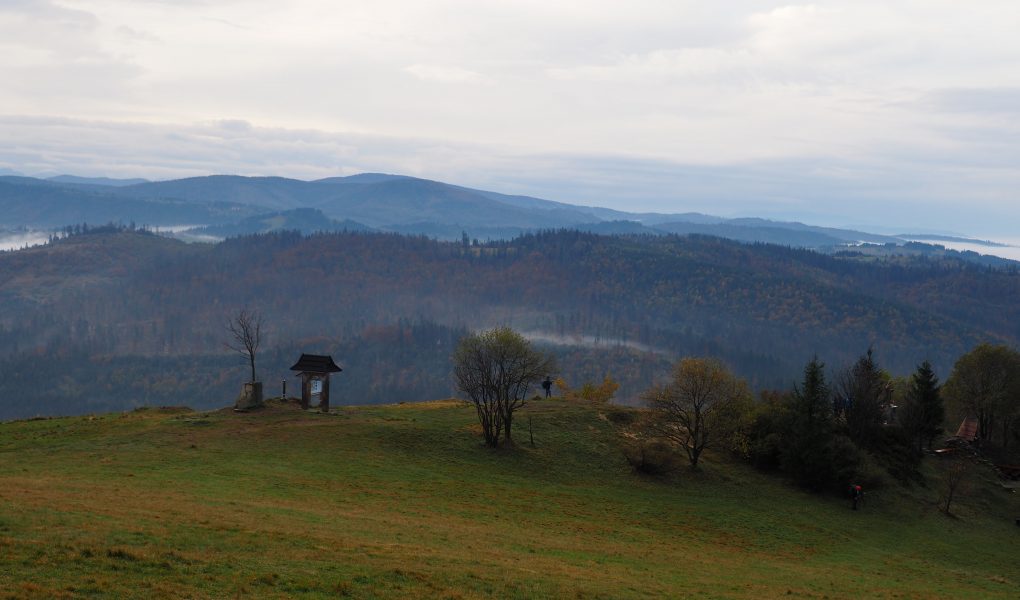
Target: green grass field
(403,501)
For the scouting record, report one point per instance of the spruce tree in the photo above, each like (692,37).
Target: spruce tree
(807,448)
(862,394)
(923,412)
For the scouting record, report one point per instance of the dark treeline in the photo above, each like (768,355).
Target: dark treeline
(123,296)
(402,362)
(859,424)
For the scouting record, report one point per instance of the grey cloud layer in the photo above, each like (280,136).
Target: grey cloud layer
(918,195)
(743,106)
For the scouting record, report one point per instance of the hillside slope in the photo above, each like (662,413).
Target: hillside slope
(98,300)
(402,501)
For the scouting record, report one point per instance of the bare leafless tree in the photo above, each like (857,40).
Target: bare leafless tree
(246,335)
(954,480)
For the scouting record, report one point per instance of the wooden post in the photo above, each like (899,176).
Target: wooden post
(306,391)
(324,396)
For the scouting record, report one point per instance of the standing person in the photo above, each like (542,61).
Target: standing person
(857,494)
(547,386)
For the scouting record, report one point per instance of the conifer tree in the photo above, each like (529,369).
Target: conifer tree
(923,412)
(862,394)
(806,453)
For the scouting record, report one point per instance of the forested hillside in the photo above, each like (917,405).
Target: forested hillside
(115,319)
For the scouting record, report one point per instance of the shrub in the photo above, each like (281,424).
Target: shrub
(870,473)
(845,463)
(766,452)
(653,458)
(621,416)
(597,394)
(898,455)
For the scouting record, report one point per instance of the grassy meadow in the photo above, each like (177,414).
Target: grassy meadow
(403,501)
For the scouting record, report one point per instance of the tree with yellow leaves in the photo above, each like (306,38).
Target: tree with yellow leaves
(703,404)
(596,394)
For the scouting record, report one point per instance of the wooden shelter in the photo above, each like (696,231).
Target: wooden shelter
(314,370)
(968,430)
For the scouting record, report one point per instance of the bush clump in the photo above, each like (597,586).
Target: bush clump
(654,458)
(621,416)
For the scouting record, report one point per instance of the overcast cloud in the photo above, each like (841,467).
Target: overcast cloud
(834,112)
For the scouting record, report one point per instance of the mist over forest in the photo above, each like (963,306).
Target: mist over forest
(110,317)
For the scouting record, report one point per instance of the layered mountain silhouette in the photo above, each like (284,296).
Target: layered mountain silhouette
(226,205)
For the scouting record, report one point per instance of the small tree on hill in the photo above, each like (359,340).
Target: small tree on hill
(246,336)
(495,369)
(703,404)
(954,481)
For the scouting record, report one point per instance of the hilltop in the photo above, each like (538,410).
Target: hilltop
(402,501)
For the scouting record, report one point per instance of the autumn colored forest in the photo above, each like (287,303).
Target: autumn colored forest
(116,318)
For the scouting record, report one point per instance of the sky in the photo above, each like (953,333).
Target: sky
(897,114)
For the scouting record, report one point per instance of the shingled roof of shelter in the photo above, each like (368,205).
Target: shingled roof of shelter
(968,430)
(315,363)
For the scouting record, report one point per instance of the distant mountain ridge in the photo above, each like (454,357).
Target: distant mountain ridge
(381,201)
(108,181)
(931,237)
(304,220)
(42,204)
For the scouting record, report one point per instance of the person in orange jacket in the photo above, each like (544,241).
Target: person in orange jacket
(857,494)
